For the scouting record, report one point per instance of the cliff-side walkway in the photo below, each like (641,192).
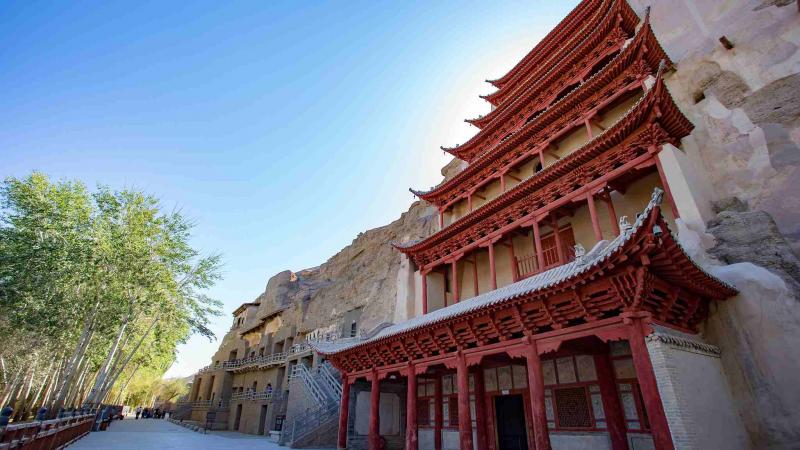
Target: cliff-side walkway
(155,434)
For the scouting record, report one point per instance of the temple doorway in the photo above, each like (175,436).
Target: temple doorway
(262,421)
(238,417)
(510,415)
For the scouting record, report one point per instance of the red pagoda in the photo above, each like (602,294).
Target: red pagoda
(537,294)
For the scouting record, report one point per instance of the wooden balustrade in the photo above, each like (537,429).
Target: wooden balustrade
(47,434)
(528,265)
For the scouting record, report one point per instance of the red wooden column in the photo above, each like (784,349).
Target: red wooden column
(424,274)
(598,234)
(663,177)
(541,435)
(612,213)
(411,410)
(615,417)
(480,408)
(537,243)
(441,218)
(454,279)
(557,235)
(514,266)
(374,413)
(438,418)
(464,417)
(662,438)
(469,202)
(492,268)
(475,286)
(344,410)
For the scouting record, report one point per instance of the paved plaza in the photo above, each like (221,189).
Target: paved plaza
(146,434)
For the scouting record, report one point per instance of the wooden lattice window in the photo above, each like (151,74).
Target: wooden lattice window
(572,406)
(424,412)
(453,407)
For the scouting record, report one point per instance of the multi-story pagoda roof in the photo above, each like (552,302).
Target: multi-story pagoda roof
(575,20)
(604,34)
(652,121)
(626,71)
(644,269)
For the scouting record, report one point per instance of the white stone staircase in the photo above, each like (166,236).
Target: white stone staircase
(315,425)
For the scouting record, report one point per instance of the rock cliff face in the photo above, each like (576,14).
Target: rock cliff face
(744,101)
(362,280)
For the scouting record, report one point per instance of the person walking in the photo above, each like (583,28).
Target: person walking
(138,412)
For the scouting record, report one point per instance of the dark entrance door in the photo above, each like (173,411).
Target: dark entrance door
(238,417)
(510,411)
(262,421)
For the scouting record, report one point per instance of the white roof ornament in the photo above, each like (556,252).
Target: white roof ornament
(580,252)
(624,225)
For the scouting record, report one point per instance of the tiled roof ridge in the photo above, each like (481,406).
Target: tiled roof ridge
(598,254)
(554,56)
(651,94)
(500,114)
(538,49)
(482,160)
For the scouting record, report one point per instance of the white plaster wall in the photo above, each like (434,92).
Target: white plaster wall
(580,441)
(641,441)
(425,439)
(435,291)
(691,191)
(450,440)
(389,413)
(695,394)
(404,307)
(417,293)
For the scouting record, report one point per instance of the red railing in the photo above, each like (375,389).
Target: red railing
(47,434)
(529,265)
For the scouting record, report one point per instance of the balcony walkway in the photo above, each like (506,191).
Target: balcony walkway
(159,434)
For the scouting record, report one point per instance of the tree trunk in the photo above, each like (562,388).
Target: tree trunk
(130,355)
(10,388)
(75,390)
(77,355)
(21,409)
(125,386)
(45,384)
(94,395)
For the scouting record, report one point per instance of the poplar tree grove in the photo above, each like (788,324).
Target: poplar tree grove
(97,289)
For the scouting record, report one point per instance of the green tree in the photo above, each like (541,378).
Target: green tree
(94,288)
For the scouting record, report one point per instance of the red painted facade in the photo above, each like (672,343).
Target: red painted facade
(600,52)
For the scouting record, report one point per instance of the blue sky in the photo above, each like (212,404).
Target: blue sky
(283,128)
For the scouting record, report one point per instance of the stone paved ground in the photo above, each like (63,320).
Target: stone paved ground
(130,434)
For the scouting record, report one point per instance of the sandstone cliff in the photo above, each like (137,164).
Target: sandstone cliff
(366,274)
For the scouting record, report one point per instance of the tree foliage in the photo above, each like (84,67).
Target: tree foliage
(95,287)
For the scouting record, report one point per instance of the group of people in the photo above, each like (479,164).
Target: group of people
(149,413)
